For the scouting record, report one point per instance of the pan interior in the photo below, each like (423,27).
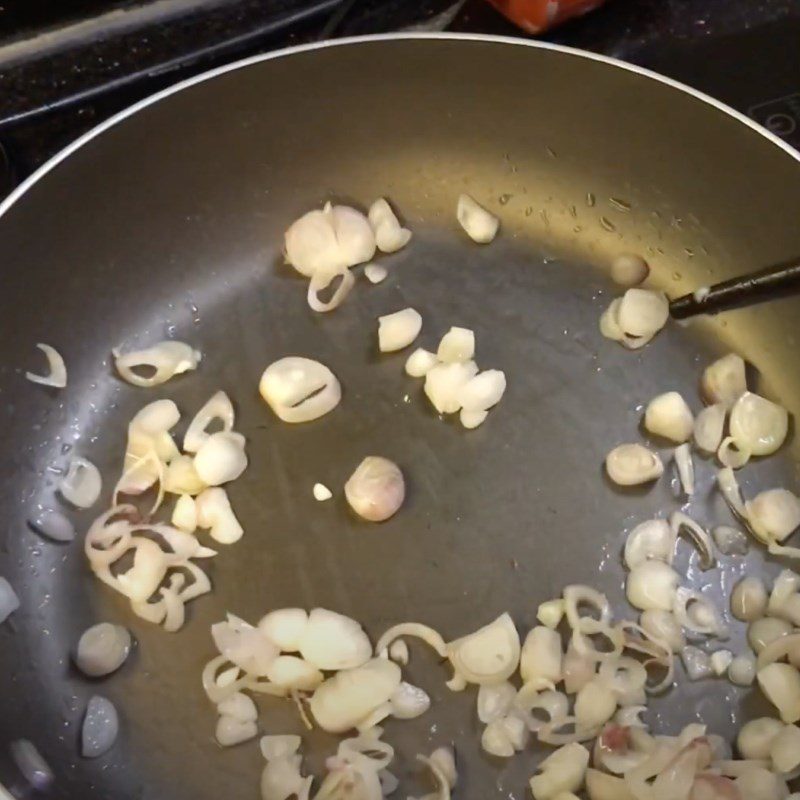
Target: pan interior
(162,228)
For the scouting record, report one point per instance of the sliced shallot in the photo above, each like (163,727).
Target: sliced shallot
(58,370)
(668,415)
(390,236)
(477,222)
(632,464)
(299,389)
(166,359)
(221,458)
(398,330)
(217,408)
(709,425)
(333,641)
(758,425)
(215,514)
(82,484)
(724,381)
(489,655)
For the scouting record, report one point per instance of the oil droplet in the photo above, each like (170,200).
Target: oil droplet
(676,276)
(607,224)
(552,153)
(528,211)
(577,229)
(543,215)
(590,199)
(573,212)
(689,252)
(504,198)
(620,205)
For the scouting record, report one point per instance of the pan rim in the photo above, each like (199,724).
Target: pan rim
(152,99)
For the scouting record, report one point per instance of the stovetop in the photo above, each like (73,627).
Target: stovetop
(65,67)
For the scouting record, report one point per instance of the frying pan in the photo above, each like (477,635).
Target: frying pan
(168,221)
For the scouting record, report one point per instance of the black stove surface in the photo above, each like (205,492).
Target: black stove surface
(65,67)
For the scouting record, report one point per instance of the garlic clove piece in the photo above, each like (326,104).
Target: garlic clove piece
(480,225)
(668,415)
(633,464)
(398,330)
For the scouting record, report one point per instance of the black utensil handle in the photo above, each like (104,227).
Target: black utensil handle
(772,283)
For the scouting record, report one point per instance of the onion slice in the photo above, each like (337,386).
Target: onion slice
(416,629)
(299,389)
(167,359)
(82,484)
(217,408)
(489,655)
(57,378)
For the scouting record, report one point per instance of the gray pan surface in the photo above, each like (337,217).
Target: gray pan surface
(170,224)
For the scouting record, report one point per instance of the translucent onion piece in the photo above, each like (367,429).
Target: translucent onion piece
(166,358)
(376,490)
(763,632)
(577,594)
(31,764)
(444,759)
(279,746)
(758,425)
(609,324)
(231,731)
(742,670)
(565,731)
(632,464)
(398,330)
(784,589)
(709,425)
(281,779)
(445,382)
(375,273)
(472,419)
(285,627)
(626,678)
(729,487)
(180,476)
(58,370)
(755,737)
(214,513)
(409,702)
(239,706)
(578,668)
(390,236)
(495,700)
(221,458)
(82,484)
(9,602)
(749,599)
(398,652)
(595,704)
(660,652)
(642,312)
(420,362)
(683,524)
(53,525)
(319,283)
(477,222)
(730,541)
(489,655)
(552,703)
(724,381)
(562,771)
(100,727)
(696,662)
(774,514)
(321,492)
(458,344)
(332,641)
(780,684)
(761,784)
(629,269)
(291,672)
(483,391)
(731,454)
(184,515)
(431,637)
(669,416)
(342,701)
(602,786)
(685,466)
(780,647)
(785,749)
(697,613)
(217,408)
(652,585)
(102,649)
(244,645)
(327,241)
(551,612)
(504,736)
(541,655)
(299,389)
(651,539)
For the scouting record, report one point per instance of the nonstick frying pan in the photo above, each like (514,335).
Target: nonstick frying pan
(168,221)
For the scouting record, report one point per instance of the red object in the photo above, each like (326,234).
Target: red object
(534,16)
